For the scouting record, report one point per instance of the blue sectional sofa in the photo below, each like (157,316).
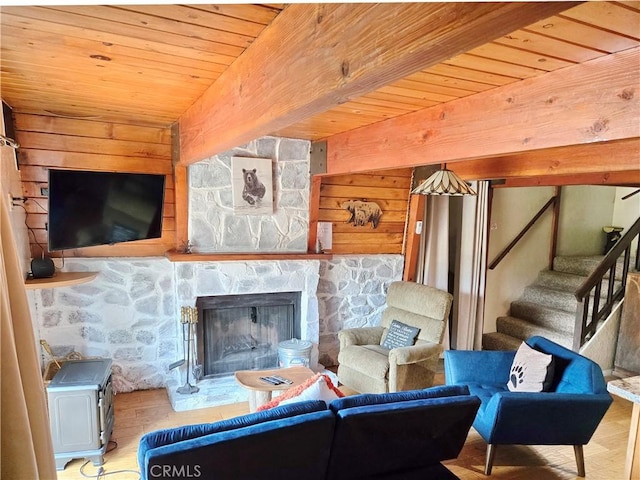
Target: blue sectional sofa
(402,435)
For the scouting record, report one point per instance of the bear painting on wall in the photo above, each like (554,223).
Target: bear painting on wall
(252,185)
(362,212)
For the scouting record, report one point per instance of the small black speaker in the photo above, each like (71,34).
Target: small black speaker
(42,268)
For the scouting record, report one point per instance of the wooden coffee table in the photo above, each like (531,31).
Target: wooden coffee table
(260,391)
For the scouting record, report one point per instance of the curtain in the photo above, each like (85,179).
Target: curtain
(27,452)
(469,286)
(453,249)
(433,262)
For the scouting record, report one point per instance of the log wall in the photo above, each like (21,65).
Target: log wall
(90,144)
(389,189)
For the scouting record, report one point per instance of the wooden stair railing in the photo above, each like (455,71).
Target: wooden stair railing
(589,312)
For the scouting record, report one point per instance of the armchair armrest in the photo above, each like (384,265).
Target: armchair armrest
(542,418)
(414,353)
(360,336)
(469,366)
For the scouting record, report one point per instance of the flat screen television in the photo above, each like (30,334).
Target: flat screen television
(89,208)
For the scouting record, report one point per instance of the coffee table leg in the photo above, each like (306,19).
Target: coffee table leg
(257,398)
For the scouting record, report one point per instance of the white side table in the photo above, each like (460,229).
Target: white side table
(629,388)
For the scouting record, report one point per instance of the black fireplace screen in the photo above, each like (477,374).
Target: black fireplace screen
(242,332)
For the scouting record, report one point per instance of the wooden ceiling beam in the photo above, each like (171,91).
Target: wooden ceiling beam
(593,102)
(316,56)
(628,178)
(617,161)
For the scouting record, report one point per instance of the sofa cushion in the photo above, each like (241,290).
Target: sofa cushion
(290,448)
(400,335)
(364,399)
(372,360)
(318,387)
(531,370)
(169,436)
(384,440)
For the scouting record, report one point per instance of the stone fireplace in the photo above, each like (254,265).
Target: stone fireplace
(242,332)
(227,282)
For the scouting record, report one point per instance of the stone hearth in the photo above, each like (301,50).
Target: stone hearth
(212,392)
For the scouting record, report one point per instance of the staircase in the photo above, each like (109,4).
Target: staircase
(547,307)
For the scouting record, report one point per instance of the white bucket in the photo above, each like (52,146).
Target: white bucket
(294,352)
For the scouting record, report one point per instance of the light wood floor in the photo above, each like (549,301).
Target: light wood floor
(139,412)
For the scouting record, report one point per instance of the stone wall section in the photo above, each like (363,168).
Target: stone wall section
(131,311)
(128,313)
(351,293)
(213,226)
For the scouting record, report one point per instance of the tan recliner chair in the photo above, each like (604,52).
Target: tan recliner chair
(367,367)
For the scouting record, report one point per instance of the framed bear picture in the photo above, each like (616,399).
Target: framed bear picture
(252,185)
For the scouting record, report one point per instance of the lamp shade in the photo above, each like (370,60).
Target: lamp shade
(444,182)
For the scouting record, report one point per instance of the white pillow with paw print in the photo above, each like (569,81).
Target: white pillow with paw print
(531,371)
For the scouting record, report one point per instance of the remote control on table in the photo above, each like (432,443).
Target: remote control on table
(271,380)
(282,380)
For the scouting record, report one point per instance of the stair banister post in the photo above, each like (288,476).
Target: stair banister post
(581,314)
(555,222)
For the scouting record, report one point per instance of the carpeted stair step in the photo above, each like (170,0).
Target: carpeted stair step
(518,328)
(544,316)
(583,265)
(499,341)
(577,264)
(566,281)
(558,299)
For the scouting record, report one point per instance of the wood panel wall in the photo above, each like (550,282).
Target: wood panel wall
(389,189)
(90,144)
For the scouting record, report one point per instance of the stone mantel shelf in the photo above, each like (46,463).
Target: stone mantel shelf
(60,279)
(175,256)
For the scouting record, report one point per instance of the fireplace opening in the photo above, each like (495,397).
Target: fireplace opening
(242,332)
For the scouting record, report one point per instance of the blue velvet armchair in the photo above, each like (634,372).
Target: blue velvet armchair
(567,414)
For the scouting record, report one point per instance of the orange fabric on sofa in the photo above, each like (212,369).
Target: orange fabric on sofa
(318,387)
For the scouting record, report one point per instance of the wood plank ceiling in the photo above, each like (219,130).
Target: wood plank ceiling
(147,64)
(585,32)
(142,64)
